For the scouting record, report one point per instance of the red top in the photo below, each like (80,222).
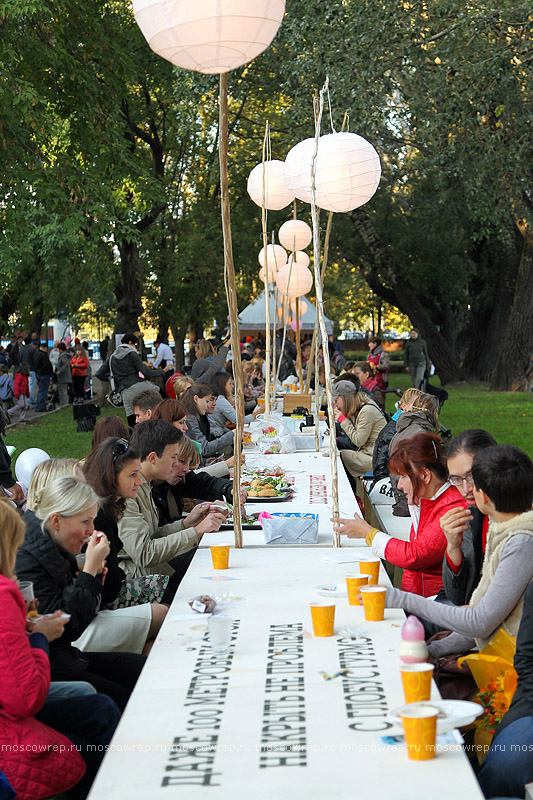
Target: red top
(382,378)
(79,365)
(21,385)
(370,384)
(24,685)
(421,557)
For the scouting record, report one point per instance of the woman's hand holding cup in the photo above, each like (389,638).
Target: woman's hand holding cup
(96,553)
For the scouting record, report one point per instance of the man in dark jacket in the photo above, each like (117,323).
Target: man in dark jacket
(43,372)
(416,358)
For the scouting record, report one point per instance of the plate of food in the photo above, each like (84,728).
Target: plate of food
(269,495)
(452,713)
(249,522)
(270,482)
(266,472)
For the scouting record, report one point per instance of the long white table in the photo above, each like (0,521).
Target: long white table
(262,722)
(310,474)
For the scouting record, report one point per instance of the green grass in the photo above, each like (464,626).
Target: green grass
(56,434)
(507,415)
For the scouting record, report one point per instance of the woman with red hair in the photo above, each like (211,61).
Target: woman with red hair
(421,465)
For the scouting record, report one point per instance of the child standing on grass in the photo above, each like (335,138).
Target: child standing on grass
(6,387)
(21,390)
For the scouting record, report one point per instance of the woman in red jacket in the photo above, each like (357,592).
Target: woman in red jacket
(421,464)
(37,759)
(79,364)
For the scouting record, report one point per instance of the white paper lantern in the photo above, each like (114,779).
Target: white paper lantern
(271,275)
(295,234)
(277,257)
(347,171)
(299,257)
(300,282)
(209,36)
(304,308)
(277,194)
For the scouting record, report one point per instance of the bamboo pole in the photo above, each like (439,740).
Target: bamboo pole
(314,358)
(231,292)
(299,346)
(321,320)
(267,277)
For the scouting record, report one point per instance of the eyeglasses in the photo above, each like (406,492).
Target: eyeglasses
(121,447)
(456,480)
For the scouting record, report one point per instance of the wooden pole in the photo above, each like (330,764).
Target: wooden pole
(231,292)
(322,323)
(299,346)
(267,277)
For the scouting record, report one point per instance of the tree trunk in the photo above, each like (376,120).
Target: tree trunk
(129,291)
(512,371)
(403,296)
(179,347)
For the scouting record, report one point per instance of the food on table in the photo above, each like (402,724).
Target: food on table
(203,604)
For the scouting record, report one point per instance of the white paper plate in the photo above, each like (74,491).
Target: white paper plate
(457,713)
(332,591)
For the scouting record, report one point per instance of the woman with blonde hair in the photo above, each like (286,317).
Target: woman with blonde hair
(360,420)
(62,522)
(53,737)
(181,384)
(46,472)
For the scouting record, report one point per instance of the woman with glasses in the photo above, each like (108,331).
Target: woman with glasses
(113,470)
(62,522)
(465,528)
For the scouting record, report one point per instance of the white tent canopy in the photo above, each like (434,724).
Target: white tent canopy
(252,318)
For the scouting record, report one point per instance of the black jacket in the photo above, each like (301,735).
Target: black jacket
(6,478)
(27,355)
(199,485)
(115,575)
(380,456)
(42,364)
(53,572)
(522,703)
(459,587)
(126,364)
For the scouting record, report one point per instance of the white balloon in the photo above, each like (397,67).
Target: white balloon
(26,463)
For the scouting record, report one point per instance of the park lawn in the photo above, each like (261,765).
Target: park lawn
(56,434)
(507,415)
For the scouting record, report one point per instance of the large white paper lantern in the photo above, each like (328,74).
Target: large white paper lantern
(299,257)
(304,308)
(347,171)
(271,275)
(276,255)
(210,36)
(301,280)
(295,234)
(277,194)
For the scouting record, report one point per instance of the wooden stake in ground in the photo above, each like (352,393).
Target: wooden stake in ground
(231,292)
(322,323)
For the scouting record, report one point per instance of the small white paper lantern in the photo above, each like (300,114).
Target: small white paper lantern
(277,194)
(347,171)
(299,257)
(304,308)
(271,275)
(301,280)
(295,234)
(210,36)
(277,257)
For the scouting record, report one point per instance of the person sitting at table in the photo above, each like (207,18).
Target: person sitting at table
(361,421)
(150,546)
(508,766)
(421,464)
(224,416)
(503,489)
(181,384)
(144,403)
(107,426)
(196,400)
(363,372)
(50,743)
(55,533)
(380,456)
(465,529)
(113,470)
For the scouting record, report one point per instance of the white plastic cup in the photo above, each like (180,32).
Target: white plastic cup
(26,590)
(219,627)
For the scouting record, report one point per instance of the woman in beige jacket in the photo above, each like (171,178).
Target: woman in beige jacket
(361,420)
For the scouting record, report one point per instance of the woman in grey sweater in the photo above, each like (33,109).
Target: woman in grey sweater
(223,386)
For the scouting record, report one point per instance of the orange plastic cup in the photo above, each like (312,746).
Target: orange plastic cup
(323,616)
(353,584)
(220,556)
(371,567)
(416,680)
(373,602)
(420,731)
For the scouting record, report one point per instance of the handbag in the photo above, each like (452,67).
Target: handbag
(113,397)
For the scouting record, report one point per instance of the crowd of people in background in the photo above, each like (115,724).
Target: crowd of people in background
(107,541)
